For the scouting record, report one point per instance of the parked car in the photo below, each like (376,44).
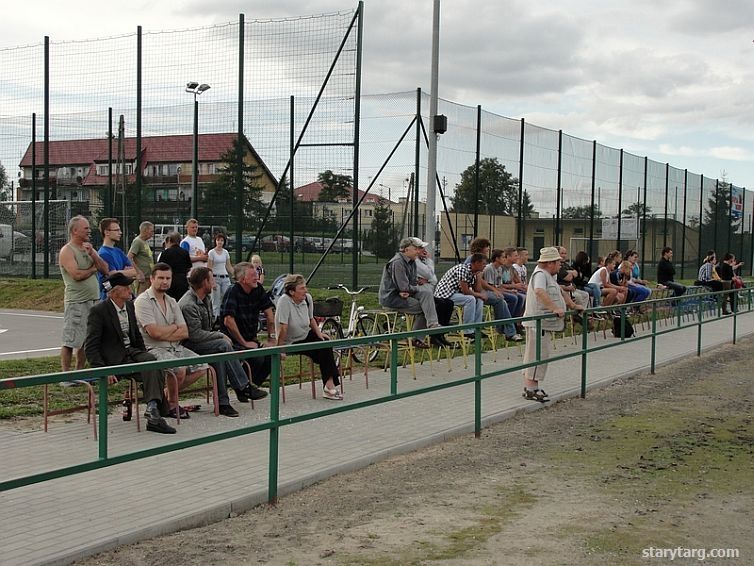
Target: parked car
(276,243)
(12,241)
(247,242)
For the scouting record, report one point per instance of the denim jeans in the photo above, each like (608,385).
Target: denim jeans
(232,369)
(473,308)
(500,308)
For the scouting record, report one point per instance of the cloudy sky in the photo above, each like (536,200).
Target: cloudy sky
(672,80)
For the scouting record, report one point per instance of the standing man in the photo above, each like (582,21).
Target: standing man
(196,306)
(402,290)
(459,284)
(163,328)
(666,273)
(194,245)
(115,258)
(543,296)
(113,338)
(78,264)
(239,318)
(140,254)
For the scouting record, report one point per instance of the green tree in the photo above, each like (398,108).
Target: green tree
(580,212)
(334,186)
(637,209)
(220,203)
(498,189)
(382,239)
(4,187)
(526,205)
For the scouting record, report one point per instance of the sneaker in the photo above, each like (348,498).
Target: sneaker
(227,411)
(254,392)
(152,414)
(160,426)
(469,337)
(242,397)
(420,344)
(440,341)
(332,394)
(515,338)
(535,395)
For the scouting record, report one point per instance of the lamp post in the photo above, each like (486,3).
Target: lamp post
(196,89)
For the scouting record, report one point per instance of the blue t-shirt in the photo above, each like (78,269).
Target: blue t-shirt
(116,260)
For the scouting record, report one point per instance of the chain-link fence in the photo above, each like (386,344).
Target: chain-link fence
(289,90)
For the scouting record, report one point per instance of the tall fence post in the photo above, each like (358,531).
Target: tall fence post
(46,150)
(620,199)
(558,190)
(34,195)
(683,228)
(477,184)
(521,229)
(138,173)
(240,136)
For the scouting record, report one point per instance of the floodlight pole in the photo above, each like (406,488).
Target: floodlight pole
(429,212)
(193,87)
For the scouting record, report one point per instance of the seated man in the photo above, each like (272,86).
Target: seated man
(196,306)
(460,285)
(666,273)
(239,318)
(520,266)
(163,329)
(493,282)
(113,338)
(565,278)
(401,290)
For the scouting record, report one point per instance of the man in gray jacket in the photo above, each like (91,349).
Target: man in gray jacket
(196,306)
(400,289)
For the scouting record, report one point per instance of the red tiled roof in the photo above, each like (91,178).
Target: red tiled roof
(310,192)
(155,149)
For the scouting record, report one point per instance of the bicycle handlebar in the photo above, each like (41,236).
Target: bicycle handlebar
(342,287)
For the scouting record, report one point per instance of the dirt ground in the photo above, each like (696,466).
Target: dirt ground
(661,461)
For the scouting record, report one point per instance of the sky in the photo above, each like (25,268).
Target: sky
(671,80)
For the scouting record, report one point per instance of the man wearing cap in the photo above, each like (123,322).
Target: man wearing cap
(544,296)
(113,338)
(401,289)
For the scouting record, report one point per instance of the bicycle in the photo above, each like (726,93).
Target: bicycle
(360,323)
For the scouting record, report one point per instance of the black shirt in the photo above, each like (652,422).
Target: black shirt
(244,308)
(665,271)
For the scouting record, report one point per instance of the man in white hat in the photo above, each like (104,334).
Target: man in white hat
(544,296)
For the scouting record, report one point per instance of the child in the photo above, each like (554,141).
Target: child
(256,261)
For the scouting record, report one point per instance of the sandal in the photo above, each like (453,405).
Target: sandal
(184,414)
(535,395)
(332,394)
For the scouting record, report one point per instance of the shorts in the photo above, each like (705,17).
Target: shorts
(75,316)
(176,353)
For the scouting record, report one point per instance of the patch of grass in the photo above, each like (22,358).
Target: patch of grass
(32,294)
(513,502)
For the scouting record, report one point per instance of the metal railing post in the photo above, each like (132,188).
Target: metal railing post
(101,414)
(393,366)
(478,383)
(584,348)
(700,315)
(272,481)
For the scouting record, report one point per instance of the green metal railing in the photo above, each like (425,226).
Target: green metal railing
(700,309)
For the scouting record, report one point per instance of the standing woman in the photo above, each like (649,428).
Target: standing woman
(295,324)
(218,260)
(179,261)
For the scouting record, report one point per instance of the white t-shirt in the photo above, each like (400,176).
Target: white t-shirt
(219,261)
(596,277)
(193,244)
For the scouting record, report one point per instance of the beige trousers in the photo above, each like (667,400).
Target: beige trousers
(538,372)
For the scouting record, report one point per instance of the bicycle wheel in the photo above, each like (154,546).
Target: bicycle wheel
(365,326)
(332,328)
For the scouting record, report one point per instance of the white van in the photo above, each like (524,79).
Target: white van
(160,233)
(12,242)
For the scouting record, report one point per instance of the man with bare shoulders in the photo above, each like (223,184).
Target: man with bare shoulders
(79,264)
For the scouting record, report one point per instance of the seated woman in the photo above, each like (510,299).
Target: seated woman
(610,293)
(295,324)
(708,276)
(620,277)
